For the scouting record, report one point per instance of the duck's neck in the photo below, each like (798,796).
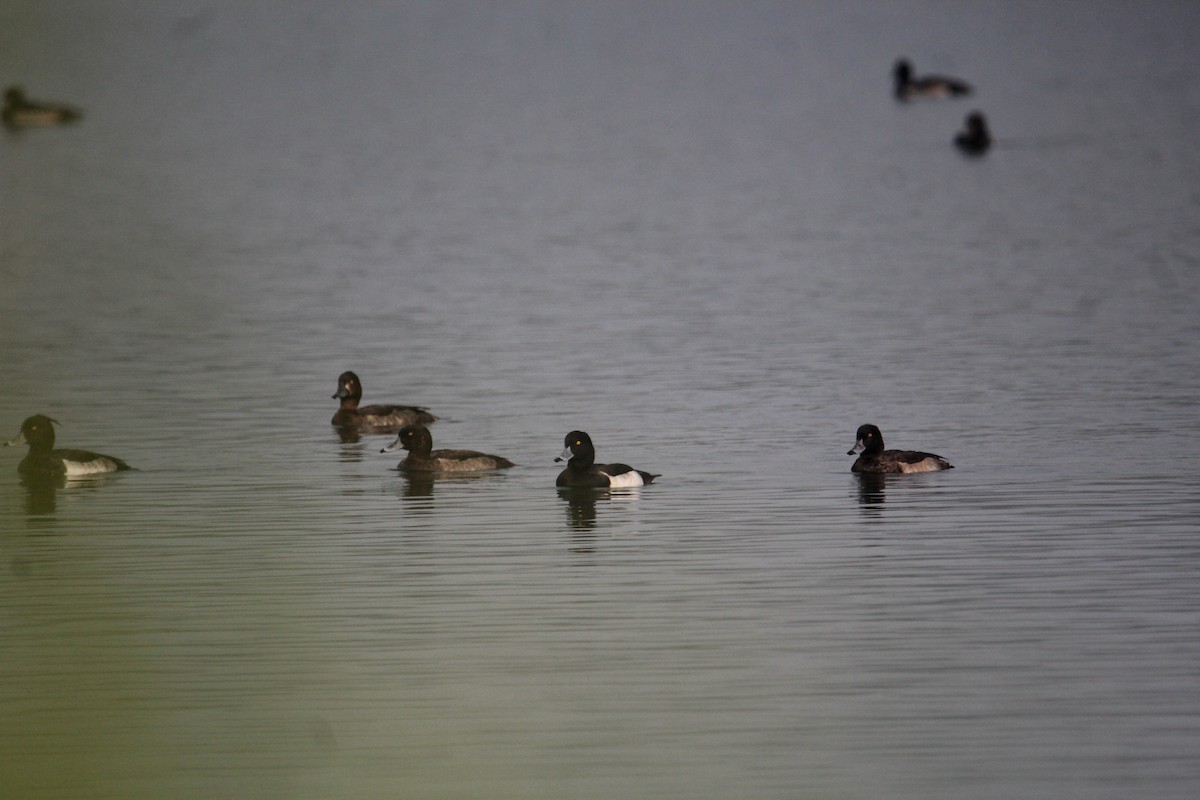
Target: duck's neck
(40,446)
(415,461)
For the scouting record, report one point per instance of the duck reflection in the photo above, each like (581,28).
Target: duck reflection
(582,503)
(871,489)
(581,506)
(417,484)
(423,483)
(41,494)
(581,515)
(349,434)
(354,434)
(618,518)
(41,491)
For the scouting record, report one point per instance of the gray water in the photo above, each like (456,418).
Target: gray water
(702,232)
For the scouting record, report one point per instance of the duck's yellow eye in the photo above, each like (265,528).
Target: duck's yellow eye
(577,442)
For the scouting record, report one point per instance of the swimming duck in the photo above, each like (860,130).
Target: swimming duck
(44,461)
(974,139)
(378,416)
(929,86)
(875,459)
(20,112)
(580,455)
(421,457)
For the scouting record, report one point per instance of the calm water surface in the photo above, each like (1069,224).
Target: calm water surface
(705,234)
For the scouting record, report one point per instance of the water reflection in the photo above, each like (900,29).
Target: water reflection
(353,434)
(871,490)
(581,515)
(582,501)
(41,491)
(585,519)
(348,434)
(352,441)
(417,484)
(41,494)
(581,505)
(422,484)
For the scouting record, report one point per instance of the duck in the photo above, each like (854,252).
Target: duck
(21,112)
(928,86)
(580,455)
(874,459)
(974,139)
(44,461)
(418,441)
(349,392)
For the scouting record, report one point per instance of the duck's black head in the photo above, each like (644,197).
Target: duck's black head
(349,386)
(414,438)
(36,431)
(578,449)
(868,439)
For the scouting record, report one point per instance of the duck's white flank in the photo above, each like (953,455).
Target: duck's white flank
(631,478)
(924,465)
(94,467)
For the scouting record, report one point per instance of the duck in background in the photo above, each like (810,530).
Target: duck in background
(43,461)
(349,392)
(875,459)
(418,441)
(580,455)
(974,139)
(908,87)
(21,112)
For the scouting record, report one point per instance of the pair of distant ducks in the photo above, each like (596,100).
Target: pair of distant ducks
(975,138)
(43,461)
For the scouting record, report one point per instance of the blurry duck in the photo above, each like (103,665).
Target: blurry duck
(43,461)
(974,139)
(349,392)
(928,86)
(21,112)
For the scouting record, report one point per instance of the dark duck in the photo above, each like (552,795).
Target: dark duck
(875,459)
(44,461)
(974,139)
(910,87)
(583,471)
(21,112)
(350,391)
(418,441)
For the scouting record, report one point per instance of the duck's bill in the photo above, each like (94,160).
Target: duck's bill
(858,448)
(395,445)
(565,455)
(16,440)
